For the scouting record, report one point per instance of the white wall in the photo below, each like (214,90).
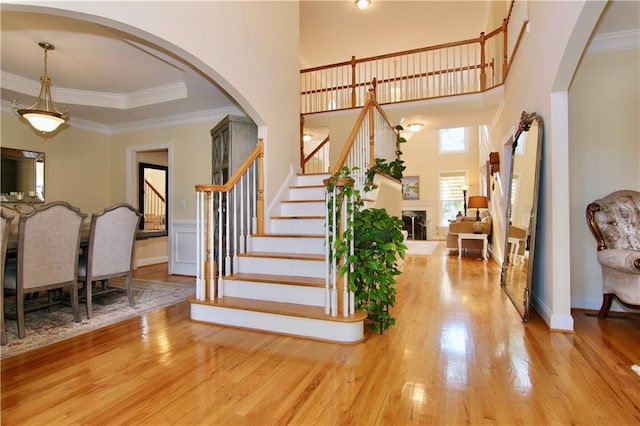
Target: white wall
(604,154)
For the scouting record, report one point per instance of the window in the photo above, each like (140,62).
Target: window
(451,196)
(452,141)
(515,187)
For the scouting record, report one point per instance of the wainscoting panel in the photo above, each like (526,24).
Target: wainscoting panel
(183,248)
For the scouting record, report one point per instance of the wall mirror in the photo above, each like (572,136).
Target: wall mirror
(521,211)
(22,175)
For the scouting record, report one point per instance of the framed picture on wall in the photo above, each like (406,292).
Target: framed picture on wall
(411,188)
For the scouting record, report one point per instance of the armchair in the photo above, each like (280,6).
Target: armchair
(614,221)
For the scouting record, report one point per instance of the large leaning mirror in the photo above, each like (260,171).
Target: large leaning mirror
(521,211)
(22,176)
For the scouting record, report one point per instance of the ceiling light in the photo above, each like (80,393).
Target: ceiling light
(306,137)
(363,4)
(414,127)
(42,114)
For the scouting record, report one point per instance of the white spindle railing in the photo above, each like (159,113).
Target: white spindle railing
(226,216)
(372,136)
(462,67)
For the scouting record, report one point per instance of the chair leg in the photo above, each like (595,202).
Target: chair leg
(88,286)
(607,299)
(75,306)
(20,313)
(3,338)
(132,302)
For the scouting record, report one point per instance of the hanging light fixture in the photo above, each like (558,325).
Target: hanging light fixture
(42,114)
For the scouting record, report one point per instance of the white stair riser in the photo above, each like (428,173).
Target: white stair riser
(309,208)
(275,266)
(344,332)
(310,193)
(302,295)
(306,180)
(300,245)
(298,226)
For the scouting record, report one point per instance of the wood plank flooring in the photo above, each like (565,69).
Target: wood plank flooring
(459,354)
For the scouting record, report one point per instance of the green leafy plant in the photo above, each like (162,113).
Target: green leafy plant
(378,244)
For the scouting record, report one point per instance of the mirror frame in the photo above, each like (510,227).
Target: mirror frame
(523,306)
(30,155)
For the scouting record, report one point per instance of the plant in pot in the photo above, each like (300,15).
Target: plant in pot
(378,244)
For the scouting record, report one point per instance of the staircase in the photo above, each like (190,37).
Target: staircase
(279,285)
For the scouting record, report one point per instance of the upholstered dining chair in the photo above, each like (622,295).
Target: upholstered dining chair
(5,229)
(47,257)
(614,221)
(110,252)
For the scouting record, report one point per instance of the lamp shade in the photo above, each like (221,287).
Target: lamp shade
(478,202)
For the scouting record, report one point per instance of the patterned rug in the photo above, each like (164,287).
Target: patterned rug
(44,327)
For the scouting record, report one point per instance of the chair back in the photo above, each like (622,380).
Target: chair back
(5,229)
(111,240)
(614,220)
(48,245)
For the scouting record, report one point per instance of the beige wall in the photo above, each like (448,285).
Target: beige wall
(77,162)
(604,154)
(236,45)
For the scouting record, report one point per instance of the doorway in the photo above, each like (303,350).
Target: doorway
(153,202)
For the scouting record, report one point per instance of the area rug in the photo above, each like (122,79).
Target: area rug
(421,248)
(44,327)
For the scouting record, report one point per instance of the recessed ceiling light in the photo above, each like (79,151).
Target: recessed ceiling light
(414,127)
(363,4)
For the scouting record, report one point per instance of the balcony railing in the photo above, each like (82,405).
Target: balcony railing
(457,68)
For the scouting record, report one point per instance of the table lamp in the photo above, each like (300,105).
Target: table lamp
(478,202)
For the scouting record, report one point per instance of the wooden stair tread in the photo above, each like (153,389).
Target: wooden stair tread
(273,255)
(303,201)
(278,279)
(306,186)
(279,308)
(289,235)
(298,217)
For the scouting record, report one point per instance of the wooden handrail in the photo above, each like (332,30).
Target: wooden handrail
(317,148)
(229,184)
(153,188)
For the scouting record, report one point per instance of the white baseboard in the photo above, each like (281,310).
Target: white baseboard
(554,321)
(151,261)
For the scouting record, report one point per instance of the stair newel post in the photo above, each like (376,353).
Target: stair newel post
(353,82)
(372,132)
(505,50)
(345,278)
(242,233)
(352,295)
(483,63)
(334,261)
(219,233)
(200,262)
(234,232)
(260,202)
(227,233)
(329,238)
(210,268)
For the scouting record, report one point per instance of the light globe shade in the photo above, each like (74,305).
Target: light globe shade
(363,4)
(43,121)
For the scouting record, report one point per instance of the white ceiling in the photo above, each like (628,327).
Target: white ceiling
(112,81)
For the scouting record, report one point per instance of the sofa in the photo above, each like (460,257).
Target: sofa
(464,225)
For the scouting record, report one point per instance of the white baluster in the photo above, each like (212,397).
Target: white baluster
(219,236)
(327,251)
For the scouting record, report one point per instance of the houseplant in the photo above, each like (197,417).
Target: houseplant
(378,243)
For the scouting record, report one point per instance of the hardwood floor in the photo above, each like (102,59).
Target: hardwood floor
(459,354)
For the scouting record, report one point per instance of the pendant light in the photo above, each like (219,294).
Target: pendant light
(42,114)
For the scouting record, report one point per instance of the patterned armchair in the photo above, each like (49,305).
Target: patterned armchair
(615,223)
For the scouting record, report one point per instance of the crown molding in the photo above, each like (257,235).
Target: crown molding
(614,42)
(212,116)
(124,101)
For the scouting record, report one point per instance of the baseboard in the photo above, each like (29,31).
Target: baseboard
(554,321)
(151,261)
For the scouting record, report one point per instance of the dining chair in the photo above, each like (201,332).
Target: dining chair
(110,252)
(47,257)
(5,229)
